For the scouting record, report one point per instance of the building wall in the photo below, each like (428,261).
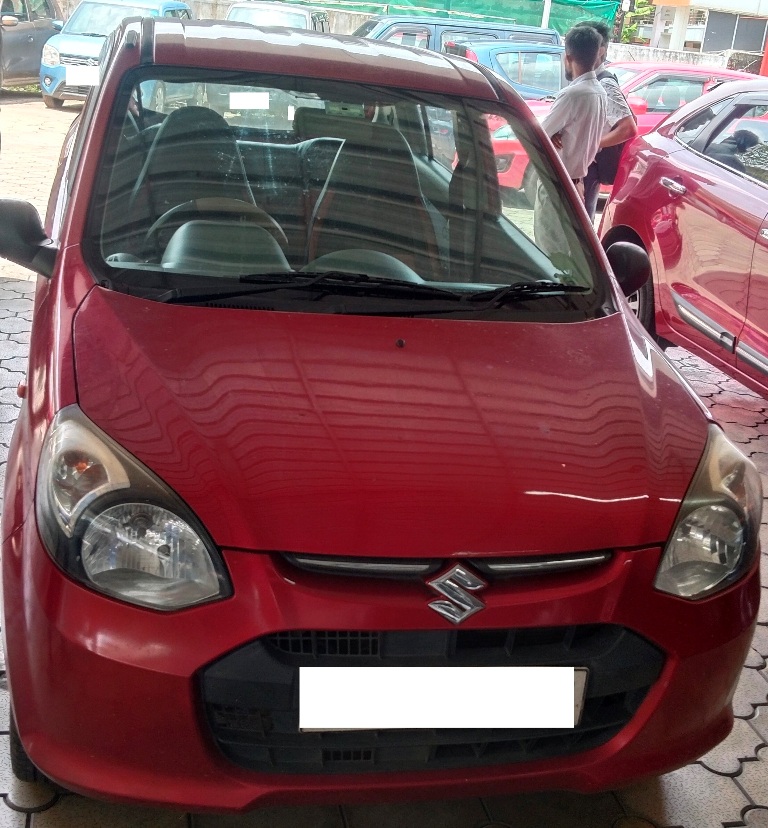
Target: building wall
(628,51)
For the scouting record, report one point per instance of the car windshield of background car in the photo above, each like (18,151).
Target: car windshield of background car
(99,20)
(623,75)
(275,178)
(268,17)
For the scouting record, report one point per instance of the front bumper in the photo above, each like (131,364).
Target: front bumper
(53,83)
(111,700)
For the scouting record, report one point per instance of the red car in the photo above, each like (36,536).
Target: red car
(332,482)
(693,195)
(653,90)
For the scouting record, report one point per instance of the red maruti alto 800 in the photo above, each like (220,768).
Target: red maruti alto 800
(303,394)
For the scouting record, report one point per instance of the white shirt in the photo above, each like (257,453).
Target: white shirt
(617,106)
(579,115)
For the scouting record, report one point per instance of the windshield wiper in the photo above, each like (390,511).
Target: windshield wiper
(269,282)
(522,291)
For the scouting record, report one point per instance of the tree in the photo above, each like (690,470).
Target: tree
(641,11)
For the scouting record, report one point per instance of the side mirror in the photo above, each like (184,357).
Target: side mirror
(631,266)
(22,238)
(637,104)
(9,21)
(58,25)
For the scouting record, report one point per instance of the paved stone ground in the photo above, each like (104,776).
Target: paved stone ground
(727,788)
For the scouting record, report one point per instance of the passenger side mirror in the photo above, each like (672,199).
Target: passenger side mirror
(631,266)
(58,25)
(637,104)
(22,238)
(9,21)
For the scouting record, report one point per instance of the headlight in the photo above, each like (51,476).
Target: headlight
(50,56)
(108,521)
(715,538)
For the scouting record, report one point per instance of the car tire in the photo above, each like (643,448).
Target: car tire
(21,764)
(530,185)
(52,103)
(641,304)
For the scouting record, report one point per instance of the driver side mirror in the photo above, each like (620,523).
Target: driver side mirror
(637,104)
(630,264)
(22,238)
(9,21)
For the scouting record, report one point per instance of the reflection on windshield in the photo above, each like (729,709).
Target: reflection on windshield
(99,20)
(261,175)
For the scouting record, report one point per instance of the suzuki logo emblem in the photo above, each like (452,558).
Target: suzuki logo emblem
(454,584)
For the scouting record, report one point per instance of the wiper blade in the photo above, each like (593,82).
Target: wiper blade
(269,282)
(522,291)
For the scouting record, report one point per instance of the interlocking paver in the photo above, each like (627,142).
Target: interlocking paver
(702,795)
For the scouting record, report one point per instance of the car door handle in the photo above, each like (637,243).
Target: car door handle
(674,187)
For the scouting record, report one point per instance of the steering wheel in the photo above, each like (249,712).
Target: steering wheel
(216,208)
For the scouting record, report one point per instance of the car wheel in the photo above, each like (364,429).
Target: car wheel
(530,184)
(21,764)
(641,304)
(52,103)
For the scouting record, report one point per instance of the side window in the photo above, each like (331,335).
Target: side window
(454,36)
(690,130)
(669,94)
(541,69)
(184,14)
(409,36)
(510,64)
(18,8)
(741,142)
(40,10)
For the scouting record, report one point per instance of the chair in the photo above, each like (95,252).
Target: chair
(372,199)
(194,156)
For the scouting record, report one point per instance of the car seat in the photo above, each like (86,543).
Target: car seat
(193,156)
(372,199)
(670,99)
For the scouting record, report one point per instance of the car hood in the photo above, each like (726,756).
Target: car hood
(84,46)
(353,435)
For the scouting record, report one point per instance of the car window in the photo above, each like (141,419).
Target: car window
(541,69)
(99,19)
(18,8)
(669,94)
(41,10)
(280,175)
(690,130)
(457,36)
(741,142)
(510,63)
(409,36)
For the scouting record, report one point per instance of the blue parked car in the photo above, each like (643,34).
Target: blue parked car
(536,70)
(70,60)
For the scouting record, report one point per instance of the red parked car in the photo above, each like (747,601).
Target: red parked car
(693,195)
(653,91)
(308,416)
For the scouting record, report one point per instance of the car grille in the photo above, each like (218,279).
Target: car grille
(251,696)
(76,90)
(71,60)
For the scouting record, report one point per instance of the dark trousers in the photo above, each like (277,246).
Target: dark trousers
(591,190)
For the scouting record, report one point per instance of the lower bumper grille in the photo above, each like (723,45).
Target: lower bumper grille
(251,696)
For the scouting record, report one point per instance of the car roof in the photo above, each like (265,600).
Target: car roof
(450,21)
(677,68)
(143,4)
(515,45)
(245,47)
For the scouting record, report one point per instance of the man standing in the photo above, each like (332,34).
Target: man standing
(621,126)
(575,124)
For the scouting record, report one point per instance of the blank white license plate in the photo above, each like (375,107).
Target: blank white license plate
(380,698)
(82,75)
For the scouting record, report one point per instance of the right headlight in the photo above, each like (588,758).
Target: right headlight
(715,538)
(50,56)
(108,521)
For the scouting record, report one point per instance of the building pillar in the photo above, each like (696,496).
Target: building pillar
(658,26)
(679,29)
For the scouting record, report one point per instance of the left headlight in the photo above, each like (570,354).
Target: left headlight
(50,56)
(111,523)
(715,538)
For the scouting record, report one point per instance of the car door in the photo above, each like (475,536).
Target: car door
(22,44)
(705,216)
(752,346)
(664,93)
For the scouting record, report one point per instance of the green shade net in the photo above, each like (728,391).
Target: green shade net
(563,15)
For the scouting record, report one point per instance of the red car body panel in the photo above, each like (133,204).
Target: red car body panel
(355,436)
(646,121)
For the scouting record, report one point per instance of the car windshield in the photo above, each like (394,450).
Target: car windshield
(99,19)
(310,190)
(268,17)
(622,73)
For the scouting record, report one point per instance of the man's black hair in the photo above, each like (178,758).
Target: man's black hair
(600,26)
(582,44)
